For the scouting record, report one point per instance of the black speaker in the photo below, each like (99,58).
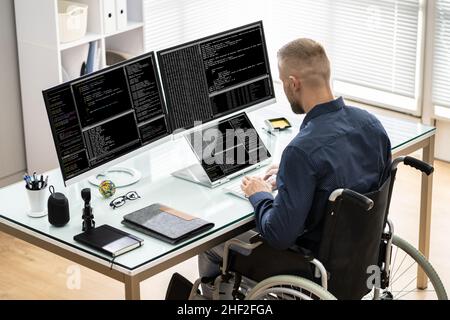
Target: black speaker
(58,209)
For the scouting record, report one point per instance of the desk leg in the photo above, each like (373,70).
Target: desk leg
(132,288)
(425,212)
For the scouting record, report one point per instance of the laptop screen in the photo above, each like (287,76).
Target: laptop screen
(228,147)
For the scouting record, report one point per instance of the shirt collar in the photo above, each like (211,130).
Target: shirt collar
(322,109)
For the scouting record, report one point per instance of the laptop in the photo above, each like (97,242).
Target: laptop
(225,150)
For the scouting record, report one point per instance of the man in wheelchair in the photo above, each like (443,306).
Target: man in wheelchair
(337,146)
(319,227)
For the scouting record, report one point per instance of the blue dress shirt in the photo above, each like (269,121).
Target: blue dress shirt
(338,147)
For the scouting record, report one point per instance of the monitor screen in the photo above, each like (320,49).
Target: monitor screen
(106,115)
(215,76)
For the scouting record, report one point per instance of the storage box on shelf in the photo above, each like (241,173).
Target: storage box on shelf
(72,18)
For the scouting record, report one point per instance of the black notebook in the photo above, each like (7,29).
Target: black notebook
(109,240)
(166,224)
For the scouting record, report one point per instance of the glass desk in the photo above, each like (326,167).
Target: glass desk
(230,214)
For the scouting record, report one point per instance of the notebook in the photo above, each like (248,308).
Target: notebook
(166,224)
(109,240)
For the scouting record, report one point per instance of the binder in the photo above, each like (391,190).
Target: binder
(121,14)
(92,56)
(109,16)
(166,224)
(98,59)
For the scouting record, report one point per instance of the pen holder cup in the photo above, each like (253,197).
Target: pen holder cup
(38,201)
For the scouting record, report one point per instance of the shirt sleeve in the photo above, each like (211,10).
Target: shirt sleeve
(281,220)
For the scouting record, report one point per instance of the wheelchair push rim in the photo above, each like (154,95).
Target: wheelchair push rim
(288,288)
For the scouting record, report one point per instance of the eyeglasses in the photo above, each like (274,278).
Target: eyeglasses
(117,203)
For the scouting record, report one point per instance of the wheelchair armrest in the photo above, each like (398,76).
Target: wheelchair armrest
(305,253)
(256,238)
(236,243)
(358,199)
(353,197)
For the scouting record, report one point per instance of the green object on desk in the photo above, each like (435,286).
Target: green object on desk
(107,189)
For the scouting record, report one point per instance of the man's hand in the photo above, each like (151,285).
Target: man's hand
(252,185)
(272,172)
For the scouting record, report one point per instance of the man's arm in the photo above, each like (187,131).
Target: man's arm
(281,220)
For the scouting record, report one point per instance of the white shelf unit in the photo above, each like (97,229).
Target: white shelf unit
(42,59)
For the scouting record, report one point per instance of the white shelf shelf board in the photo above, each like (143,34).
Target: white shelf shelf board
(132,25)
(89,37)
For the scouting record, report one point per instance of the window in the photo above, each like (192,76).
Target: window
(375,45)
(441,65)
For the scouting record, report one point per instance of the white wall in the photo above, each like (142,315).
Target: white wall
(442,141)
(12,150)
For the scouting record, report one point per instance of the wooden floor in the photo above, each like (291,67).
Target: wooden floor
(27,272)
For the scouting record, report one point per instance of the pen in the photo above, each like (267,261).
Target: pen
(27,180)
(41,182)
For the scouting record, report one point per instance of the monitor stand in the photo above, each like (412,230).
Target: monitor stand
(122,177)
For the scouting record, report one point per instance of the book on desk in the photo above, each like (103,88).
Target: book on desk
(109,240)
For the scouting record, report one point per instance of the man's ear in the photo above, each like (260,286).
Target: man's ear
(295,83)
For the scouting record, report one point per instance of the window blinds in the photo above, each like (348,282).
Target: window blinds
(441,66)
(374,45)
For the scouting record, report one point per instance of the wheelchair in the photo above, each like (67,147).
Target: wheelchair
(359,257)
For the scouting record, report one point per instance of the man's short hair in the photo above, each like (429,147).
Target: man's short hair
(308,59)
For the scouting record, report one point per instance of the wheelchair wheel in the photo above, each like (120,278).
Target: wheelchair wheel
(288,288)
(403,275)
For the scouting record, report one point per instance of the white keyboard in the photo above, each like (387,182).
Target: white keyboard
(234,188)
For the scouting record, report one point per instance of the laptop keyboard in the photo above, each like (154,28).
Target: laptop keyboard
(234,188)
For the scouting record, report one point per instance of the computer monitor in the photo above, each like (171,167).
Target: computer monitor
(103,118)
(220,75)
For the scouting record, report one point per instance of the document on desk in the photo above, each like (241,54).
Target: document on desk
(166,224)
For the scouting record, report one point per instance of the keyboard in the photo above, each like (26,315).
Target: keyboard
(234,188)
